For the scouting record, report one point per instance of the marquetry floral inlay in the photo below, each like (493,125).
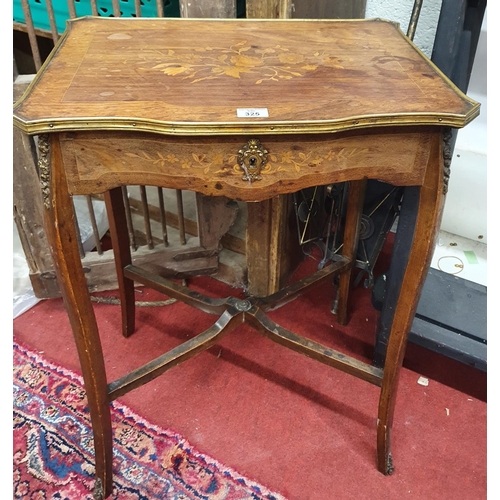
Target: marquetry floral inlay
(270,64)
(217,163)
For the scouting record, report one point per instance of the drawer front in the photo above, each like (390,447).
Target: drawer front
(96,162)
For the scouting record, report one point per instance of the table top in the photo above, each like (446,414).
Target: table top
(233,76)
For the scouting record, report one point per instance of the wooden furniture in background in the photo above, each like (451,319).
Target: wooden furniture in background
(338,101)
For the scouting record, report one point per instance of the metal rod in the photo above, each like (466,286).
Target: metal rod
(159,8)
(382,202)
(71,9)
(296,207)
(412,26)
(328,234)
(309,211)
(31,34)
(338,212)
(52,21)
(302,233)
(180,215)
(93,4)
(93,221)
(162,216)
(147,220)
(116,9)
(137,4)
(128,217)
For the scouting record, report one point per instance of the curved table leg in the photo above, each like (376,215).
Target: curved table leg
(60,227)
(429,199)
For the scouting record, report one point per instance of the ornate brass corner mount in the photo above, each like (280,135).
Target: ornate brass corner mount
(390,464)
(251,158)
(98,493)
(44,167)
(447,157)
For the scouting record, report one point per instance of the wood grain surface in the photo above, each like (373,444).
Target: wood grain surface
(184,76)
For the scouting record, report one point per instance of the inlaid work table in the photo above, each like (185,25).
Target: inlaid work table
(248,110)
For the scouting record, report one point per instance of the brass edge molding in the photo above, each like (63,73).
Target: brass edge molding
(447,157)
(229,19)
(44,167)
(382,20)
(238,128)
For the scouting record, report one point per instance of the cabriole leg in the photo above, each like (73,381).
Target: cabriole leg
(426,202)
(60,228)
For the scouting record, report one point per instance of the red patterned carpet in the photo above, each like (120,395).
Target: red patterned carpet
(302,429)
(53,450)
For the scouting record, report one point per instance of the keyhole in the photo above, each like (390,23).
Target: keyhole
(253,161)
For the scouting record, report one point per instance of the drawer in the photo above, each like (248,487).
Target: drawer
(98,161)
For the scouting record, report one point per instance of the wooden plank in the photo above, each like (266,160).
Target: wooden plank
(208,8)
(38,31)
(268,9)
(216,215)
(28,205)
(271,245)
(329,9)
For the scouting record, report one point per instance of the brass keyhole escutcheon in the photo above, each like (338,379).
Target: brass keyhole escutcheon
(251,158)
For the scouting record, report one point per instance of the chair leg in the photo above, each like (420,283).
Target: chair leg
(121,248)
(59,220)
(429,202)
(356,197)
